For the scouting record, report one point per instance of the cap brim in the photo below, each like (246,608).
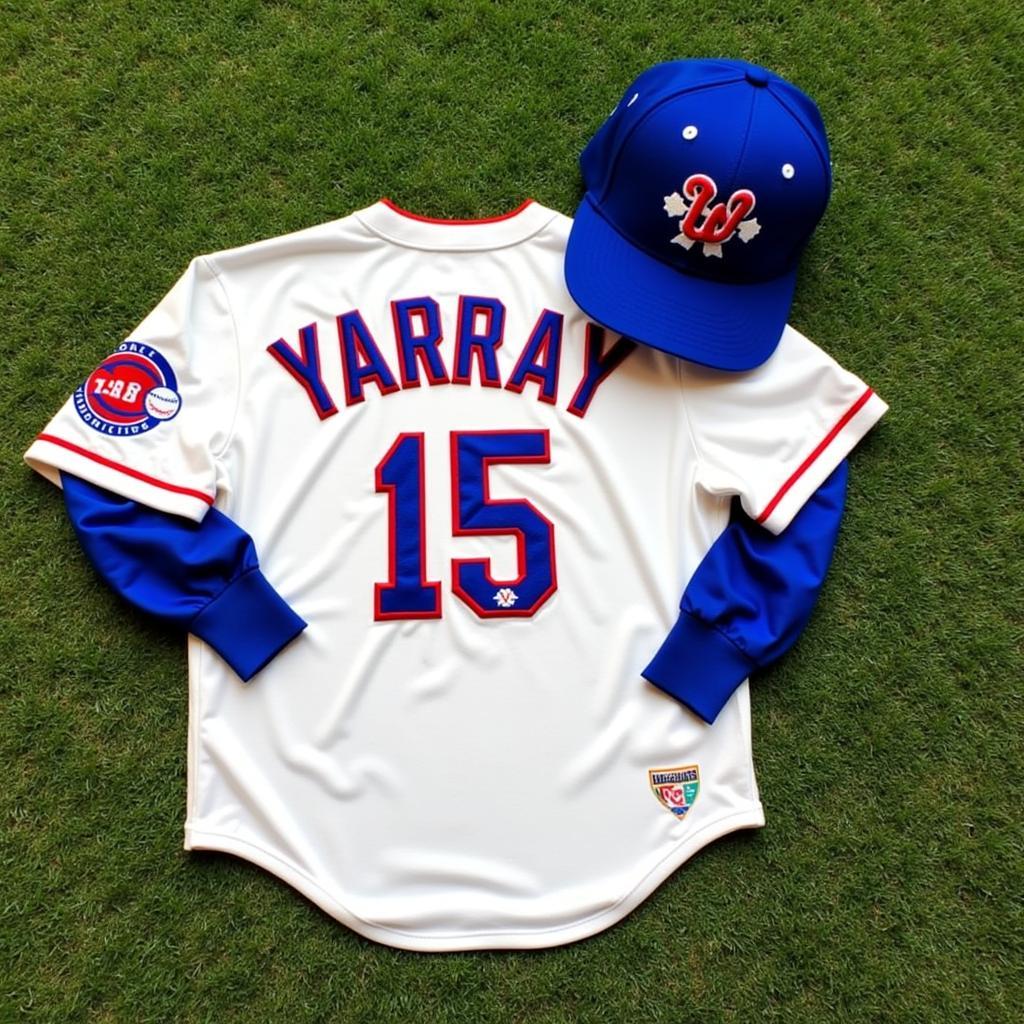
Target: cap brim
(724,325)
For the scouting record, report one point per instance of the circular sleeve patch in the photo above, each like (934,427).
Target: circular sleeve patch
(130,392)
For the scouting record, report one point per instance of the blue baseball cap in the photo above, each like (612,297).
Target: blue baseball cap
(702,188)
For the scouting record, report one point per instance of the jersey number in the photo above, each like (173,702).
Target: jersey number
(408,594)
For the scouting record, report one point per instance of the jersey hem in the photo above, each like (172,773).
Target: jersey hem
(750,817)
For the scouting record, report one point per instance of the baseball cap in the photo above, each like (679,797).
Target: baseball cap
(702,188)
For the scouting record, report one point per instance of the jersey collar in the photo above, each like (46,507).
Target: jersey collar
(400,226)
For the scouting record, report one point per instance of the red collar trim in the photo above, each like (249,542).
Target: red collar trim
(440,220)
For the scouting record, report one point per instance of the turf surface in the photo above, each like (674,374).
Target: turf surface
(888,883)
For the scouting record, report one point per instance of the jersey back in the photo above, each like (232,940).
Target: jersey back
(486,508)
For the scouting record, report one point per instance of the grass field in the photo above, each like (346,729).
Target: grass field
(888,884)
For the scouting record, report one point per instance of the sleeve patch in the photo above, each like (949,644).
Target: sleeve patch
(132,391)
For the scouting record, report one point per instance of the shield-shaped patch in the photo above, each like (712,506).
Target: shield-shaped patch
(675,788)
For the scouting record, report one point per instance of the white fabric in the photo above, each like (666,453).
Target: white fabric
(460,782)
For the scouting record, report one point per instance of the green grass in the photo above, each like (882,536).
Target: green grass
(888,883)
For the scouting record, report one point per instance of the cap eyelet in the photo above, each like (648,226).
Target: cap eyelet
(633,99)
(690,132)
(788,170)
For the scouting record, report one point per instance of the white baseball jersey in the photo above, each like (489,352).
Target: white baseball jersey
(486,508)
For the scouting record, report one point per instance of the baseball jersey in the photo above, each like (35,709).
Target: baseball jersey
(485,507)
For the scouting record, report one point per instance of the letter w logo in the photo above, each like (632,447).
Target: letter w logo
(711,225)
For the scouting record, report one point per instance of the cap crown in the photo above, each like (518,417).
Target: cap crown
(718,168)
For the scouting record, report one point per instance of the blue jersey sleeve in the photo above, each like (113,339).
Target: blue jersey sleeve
(748,601)
(203,577)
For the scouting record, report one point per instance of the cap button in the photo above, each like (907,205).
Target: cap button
(757,76)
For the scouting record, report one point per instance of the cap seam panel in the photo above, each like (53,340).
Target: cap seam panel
(826,167)
(649,113)
(745,146)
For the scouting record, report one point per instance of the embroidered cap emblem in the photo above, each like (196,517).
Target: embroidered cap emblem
(712,226)
(675,788)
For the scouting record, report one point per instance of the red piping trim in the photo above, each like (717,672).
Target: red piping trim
(803,467)
(440,220)
(110,464)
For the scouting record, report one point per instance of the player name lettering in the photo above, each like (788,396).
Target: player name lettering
(424,354)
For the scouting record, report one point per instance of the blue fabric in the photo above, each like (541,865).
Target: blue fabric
(748,601)
(247,623)
(203,577)
(702,189)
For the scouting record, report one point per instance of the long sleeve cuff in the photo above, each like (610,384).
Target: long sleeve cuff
(698,666)
(247,624)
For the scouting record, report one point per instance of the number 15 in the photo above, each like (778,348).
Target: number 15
(408,594)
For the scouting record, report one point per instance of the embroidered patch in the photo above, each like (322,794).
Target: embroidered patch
(675,788)
(506,597)
(130,392)
(713,226)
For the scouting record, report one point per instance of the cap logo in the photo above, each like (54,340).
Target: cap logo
(715,225)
